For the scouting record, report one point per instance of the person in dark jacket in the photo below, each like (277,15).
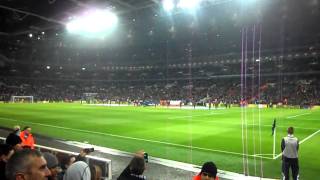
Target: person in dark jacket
(135,169)
(6,151)
(208,172)
(14,140)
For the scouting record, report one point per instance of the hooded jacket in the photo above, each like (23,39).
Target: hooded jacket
(78,171)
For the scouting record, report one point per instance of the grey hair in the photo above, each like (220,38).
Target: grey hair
(20,162)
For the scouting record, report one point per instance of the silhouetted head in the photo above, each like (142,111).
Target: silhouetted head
(290,130)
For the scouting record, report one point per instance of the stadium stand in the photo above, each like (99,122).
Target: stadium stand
(158,59)
(298,85)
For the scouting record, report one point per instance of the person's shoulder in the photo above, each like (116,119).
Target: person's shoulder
(197,177)
(130,177)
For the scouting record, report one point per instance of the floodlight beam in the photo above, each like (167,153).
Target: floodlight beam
(188,4)
(93,22)
(168,5)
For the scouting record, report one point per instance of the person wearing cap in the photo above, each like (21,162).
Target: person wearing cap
(290,147)
(27,138)
(15,141)
(6,151)
(53,165)
(208,172)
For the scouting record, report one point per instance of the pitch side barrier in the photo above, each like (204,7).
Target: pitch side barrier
(105,164)
(223,175)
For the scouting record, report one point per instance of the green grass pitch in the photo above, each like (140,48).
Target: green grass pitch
(192,136)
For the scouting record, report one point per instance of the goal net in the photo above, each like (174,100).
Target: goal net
(22,99)
(89,98)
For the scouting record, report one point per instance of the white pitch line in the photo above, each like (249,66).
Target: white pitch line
(284,127)
(289,117)
(139,139)
(179,117)
(231,123)
(310,136)
(264,154)
(311,119)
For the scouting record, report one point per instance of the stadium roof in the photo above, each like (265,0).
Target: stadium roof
(147,32)
(21,17)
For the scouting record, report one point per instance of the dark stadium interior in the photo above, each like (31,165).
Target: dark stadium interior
(226,53)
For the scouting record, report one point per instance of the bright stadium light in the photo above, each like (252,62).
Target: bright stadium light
(189,4)
(168,5)
(97,22)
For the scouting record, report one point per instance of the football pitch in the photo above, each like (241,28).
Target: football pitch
(186,135)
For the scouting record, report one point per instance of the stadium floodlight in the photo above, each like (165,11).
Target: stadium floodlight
(168,5)
(189,4)
(95,22)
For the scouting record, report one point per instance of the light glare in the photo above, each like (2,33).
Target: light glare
(97,21)
(189,4)
(168,5)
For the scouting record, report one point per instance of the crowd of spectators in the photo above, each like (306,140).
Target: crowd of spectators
(20,160)
(293,90)
(30,164)
(292,79)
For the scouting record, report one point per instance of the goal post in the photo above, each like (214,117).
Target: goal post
(22,99)
(89,98)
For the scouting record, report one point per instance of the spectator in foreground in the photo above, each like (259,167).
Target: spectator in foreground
(15,141)
(290,147)
(66,162)
(208,172)
(6,151)
(78,171)
(53,165)
(27,164)
(16,130)
(27,138)
(135,169)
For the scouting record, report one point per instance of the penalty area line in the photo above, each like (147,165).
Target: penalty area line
(289,117)
(191,116)
(304,140)
(138,139)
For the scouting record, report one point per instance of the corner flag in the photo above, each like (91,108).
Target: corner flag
(274,137)
(273,126)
